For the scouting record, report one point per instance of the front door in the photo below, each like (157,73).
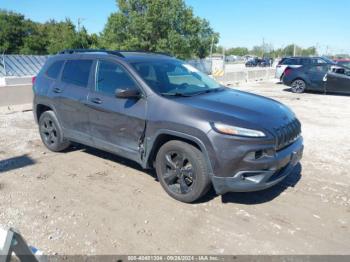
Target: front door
(339,81)
(317,75)
(116,124)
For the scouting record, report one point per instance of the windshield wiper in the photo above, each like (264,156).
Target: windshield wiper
(175,94)
(194,94)
(208,91)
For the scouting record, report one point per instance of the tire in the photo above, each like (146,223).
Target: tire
(51,132)
(298,86)
(182,171)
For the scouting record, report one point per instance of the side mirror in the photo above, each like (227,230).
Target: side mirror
(127,93)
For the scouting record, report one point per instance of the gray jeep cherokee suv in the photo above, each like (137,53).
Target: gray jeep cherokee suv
(163,113)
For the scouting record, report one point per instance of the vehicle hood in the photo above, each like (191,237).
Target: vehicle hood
(233,106)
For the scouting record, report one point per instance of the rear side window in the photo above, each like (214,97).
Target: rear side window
(317,61)
(305,61)
(320,61)
(77,72)
(55,69)
(289,61)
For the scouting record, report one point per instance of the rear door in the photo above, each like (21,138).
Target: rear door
(72,93)
(316,76)
(339,81)
(117,124)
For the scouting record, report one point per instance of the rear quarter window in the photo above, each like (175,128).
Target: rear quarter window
(77,72)
(291,61)
(54,70)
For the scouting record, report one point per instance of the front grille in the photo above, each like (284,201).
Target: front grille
(287,134)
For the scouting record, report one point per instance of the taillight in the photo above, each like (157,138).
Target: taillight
(33,80)
(287,71)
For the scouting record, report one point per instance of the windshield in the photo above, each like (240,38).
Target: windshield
(173,77)
(344,63)
(329,61)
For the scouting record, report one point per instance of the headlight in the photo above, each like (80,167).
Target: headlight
(237,131)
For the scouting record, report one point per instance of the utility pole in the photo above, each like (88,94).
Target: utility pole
(80,19)
(293,49)
(211,48)
(224,60)
(263,48)
(317,49)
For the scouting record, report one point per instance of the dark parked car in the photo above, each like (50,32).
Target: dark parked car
(252,62)
(321,77)
(343,62)
(299,61)
(264,62)
(161,112)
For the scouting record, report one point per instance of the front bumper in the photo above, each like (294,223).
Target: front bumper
(254,179)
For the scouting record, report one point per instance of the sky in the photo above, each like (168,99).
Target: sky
(321,23)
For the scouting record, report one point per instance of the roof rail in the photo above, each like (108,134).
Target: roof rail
(112,52)
(143,51)
(72,51)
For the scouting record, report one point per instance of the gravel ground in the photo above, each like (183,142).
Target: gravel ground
(85,201)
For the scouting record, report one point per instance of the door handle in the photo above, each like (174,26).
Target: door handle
(96,100)
(57,90)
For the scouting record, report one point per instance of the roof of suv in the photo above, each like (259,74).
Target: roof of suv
(125,55)
(304,57)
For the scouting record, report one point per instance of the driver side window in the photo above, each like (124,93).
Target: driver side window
(111,76)
(319,69)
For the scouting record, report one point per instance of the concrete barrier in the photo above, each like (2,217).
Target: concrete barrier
(16,95)
(15,80)
(247,75)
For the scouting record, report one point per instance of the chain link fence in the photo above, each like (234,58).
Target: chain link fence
(21,65)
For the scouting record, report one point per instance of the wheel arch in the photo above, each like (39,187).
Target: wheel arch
(164,136)
(40,109)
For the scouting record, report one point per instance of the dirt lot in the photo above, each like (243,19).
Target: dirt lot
(85,201)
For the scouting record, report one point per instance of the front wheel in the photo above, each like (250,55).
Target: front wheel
(298,86)
(182,171)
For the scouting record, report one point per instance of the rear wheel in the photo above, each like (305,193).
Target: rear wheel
(51,132)
(298,86)
(182,171)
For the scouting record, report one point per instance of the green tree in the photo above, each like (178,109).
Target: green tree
(218,49)
(257,51)
(35,41)
(12,31)
(60,35)
(310,51)
(158,25)
(238,51)
(23,36)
